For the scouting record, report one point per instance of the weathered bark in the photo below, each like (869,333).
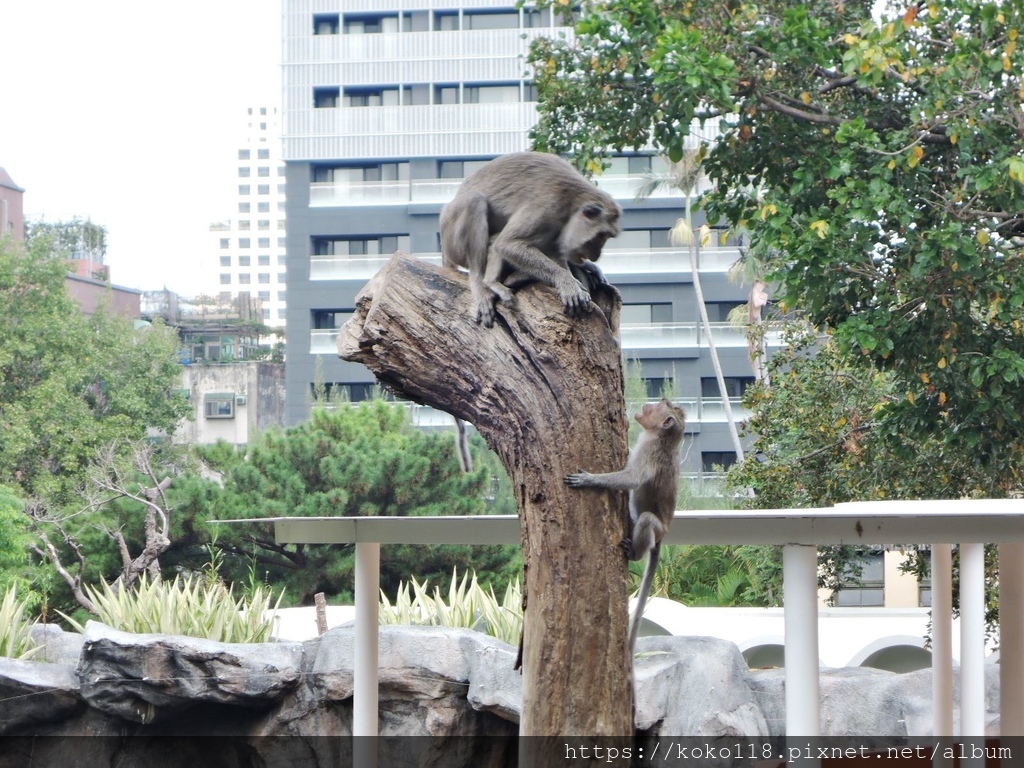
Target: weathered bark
(546,392)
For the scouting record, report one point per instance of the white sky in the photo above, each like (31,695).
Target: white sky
(129,113)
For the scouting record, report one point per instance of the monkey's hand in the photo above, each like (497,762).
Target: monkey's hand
(579,479)
(574,296)
(593,274)
(626,545)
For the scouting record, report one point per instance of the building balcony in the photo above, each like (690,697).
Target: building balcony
(688,336)
(337,194)
(614,262)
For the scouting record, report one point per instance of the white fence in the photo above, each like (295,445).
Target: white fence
(968,523)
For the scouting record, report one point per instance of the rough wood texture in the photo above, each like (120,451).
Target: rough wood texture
(546,393)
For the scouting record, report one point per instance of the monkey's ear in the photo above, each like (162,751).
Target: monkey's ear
(593,211)
(669,422)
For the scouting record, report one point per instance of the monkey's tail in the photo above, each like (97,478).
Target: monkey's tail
(462,446)
(641,601)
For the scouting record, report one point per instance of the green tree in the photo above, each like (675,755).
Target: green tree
(350,461)
(70,385)
(74,238)
(880,163)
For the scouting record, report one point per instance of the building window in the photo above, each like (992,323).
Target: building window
(243,242)
(863,582)
(281,295)
(263,224)
(243,279)
(225,242)
(263,207)
(243,208)
(225,279)
(734,385)
(263,189)
(458,169)
(263,295)
(263,259)
(243,154)
(282,259)
(326,97)
(263,170)
(370,24)
(243,189)
(243,261)
(225,261)
(326,23)
(282,277)
(446,21)
(266,314)
(490,20)
(645,314)
(282,242)
(718,311)
(262,154)
(717,461)
(374,97)
(264,242)
(219,405)
(243,224)
(244,171)
(264,277)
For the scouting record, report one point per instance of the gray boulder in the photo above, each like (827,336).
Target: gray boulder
(143,678)
(35,692)
(56,645)
(694,686)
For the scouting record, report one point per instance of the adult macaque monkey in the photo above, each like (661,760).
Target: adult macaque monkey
(652,478)
(526,217)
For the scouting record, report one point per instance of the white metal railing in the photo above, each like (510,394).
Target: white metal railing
(970,523)
(614,261)
(646,336)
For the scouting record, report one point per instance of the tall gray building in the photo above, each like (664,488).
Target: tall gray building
(388,105)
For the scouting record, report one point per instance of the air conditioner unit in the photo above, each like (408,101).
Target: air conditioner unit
(241,400)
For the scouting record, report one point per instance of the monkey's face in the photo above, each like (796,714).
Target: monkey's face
(661,415)
(586,233)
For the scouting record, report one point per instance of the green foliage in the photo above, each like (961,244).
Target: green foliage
(196,608)
(353,460)
(70,384)
(879,162)
(75,238)
(468,606)
(15,641)
(702,575)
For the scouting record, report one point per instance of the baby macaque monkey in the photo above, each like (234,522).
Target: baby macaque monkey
(651,476)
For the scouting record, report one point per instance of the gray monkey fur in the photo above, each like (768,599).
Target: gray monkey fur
(651,476)
(524,217)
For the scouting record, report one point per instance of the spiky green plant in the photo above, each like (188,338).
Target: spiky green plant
(468,606)
(15,641)
(196,608)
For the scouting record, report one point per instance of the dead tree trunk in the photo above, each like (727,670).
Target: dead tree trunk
(546,392)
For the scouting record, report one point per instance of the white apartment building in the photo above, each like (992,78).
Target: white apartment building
(248,250)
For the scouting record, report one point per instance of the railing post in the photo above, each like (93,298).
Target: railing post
(972,640)
(364,682)
(1011,640)
(800,601)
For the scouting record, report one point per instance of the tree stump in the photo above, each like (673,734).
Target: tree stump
(546,392)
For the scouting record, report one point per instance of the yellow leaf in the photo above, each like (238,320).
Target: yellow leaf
(821,227)
(942,363)
(849,39)
(805,97)
(983,237)
(918,152)
(1012,34)
(952,138)
(892,164)
(925,379)
(942,398)
(955,266)
(910,397)
(1011,47)
(767,210)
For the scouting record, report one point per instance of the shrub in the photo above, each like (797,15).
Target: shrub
(15,641)
(196,608)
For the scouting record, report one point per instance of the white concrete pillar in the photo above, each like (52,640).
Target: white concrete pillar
(1011,639)
(800,593)
(364,683)
(942,639)
(972,640)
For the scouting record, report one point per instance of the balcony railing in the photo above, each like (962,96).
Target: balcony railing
(971,523)
(634,338)
(614,261)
